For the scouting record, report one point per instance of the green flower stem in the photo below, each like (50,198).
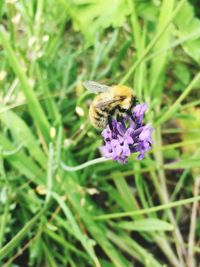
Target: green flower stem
(146,211)
(82,166)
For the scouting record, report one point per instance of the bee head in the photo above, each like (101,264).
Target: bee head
(126,102)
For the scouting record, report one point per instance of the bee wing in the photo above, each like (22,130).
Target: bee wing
(105,103)
(95,87)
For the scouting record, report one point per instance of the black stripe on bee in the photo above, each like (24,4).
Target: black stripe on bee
(123,110)
(99,113)
(106,110)
(112,111)
(117,108)
(97,118)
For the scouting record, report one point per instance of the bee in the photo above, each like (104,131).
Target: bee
(112,101)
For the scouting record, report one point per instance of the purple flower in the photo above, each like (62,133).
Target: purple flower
(139,111)
(127,136)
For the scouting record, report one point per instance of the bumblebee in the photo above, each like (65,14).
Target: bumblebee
(112,101)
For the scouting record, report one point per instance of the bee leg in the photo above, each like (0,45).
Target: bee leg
(110,122)
(119,118)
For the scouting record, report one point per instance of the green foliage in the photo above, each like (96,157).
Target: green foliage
(187,23)
(158,63)
(93,16)
(61,204)
(146,225)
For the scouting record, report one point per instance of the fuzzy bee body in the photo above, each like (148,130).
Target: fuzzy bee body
(112,101)
(98,117)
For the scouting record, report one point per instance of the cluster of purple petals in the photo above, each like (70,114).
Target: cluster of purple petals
(127,136)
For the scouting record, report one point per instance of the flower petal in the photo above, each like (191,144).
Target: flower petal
(127,136)
(139,110)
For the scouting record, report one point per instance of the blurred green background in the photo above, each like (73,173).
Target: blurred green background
(104,214)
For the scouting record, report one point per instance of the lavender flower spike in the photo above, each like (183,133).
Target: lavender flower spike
(127,136)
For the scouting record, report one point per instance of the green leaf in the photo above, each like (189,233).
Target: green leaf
(35,108)
(159,63)
(22,162)
(13,243)
(21,133)
(181,72)
(147,225)
(85,241)
(188,23)
(184,164)
(91,17)
(147,10)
